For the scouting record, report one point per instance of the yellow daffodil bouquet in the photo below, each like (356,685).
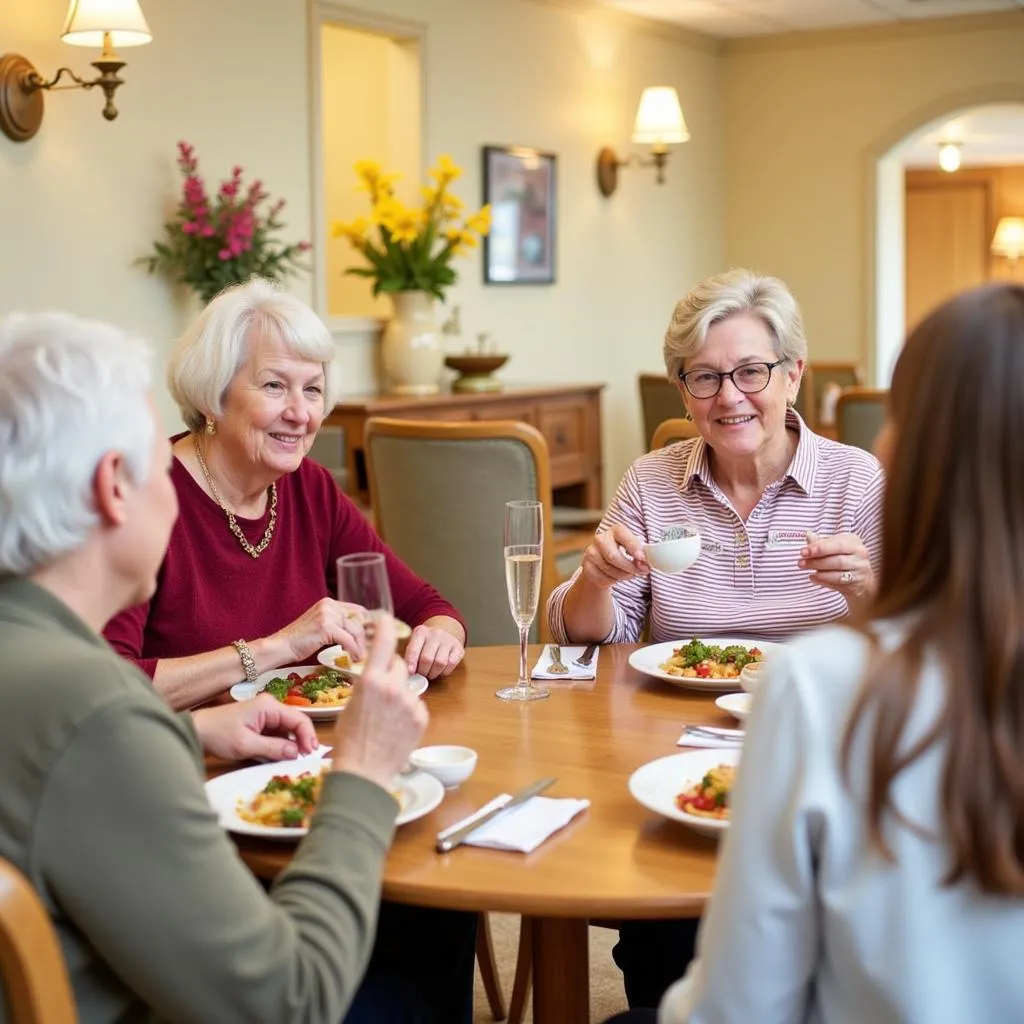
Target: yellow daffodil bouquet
(412,248)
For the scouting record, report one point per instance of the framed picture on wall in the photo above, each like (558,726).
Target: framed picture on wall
(519,185)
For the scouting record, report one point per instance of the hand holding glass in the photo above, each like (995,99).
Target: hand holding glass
(363,580)
(524,546)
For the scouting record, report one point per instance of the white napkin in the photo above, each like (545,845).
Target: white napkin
(569,655)
(525,827)
(693,739)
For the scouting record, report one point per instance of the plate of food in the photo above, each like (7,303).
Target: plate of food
(276,800)
(317,690)
(735,704)
(701,663)
(693,788)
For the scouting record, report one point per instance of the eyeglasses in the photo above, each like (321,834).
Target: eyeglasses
(750,378)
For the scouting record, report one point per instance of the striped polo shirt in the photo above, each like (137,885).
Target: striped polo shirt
(746,582)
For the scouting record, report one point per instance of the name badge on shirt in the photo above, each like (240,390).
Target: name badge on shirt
(786,539)
(713,547)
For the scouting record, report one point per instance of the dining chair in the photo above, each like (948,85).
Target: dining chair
(659,401)
(438,494)
(673,430)
(33,975)
(819,379)
(860,413)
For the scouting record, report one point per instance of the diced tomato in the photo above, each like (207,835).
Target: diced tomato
(297,700)
(755,652)
(703,671)
(294,677)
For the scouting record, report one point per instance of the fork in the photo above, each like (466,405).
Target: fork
(584,660)
(556,668)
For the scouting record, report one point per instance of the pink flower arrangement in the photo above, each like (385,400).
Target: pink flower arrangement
(213,243)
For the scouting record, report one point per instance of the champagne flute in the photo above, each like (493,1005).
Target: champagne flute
(524,545)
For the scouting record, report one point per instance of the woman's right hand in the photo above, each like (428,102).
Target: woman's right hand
(384,719)
(615,554)
(326,622)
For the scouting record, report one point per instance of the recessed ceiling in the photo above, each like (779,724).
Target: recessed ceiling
(737,19)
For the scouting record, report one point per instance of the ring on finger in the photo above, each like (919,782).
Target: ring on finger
(846,576)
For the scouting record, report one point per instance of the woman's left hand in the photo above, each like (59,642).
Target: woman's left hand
(433,652)
(840,563)
(263,728)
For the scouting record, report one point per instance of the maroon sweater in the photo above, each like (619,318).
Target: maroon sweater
(210,592)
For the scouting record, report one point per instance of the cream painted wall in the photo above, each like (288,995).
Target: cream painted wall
(805,122)
(83,199)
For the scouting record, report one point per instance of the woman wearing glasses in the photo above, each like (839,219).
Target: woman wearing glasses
(790,523)
(789,520)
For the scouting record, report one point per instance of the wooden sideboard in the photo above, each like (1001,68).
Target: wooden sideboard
(568,415)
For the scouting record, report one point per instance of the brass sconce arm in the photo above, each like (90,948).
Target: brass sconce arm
(107,80)
(608,165)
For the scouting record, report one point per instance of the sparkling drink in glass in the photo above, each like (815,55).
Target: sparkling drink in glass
(524,548)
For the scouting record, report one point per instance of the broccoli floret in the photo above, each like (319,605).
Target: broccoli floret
(277,688)
(292,817)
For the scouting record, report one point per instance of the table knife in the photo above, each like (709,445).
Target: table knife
(587,657)
(456,834)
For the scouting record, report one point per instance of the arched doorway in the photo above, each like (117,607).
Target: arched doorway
(904,147)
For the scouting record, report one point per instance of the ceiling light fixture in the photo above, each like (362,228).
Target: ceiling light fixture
(949,156)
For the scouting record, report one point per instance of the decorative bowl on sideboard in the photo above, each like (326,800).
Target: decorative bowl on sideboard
(475,372)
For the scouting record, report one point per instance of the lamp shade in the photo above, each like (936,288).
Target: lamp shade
(88,20)
(1009,237)
(659,118)
(949,157)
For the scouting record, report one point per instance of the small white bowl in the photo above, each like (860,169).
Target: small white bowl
(752,675)
(450,765)
(676,554)
(735,704)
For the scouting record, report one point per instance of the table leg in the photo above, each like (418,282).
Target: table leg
(561,971)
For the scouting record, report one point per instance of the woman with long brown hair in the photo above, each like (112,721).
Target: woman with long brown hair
(874,870)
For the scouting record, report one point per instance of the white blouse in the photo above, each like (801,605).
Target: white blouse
(807,922)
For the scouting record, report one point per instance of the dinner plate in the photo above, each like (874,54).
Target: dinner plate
(656,785)
(419,794)
(735,704)
(246,691)
(648,659)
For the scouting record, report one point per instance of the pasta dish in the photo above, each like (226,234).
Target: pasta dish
(698,660)
(322,688)
(286,801)
(710,797)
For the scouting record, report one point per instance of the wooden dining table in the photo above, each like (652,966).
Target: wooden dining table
(615,860)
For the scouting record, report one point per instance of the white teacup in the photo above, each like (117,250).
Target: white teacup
(678,549)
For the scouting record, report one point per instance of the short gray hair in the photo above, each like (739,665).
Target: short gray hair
(724,295)
(215,347)
(71,390)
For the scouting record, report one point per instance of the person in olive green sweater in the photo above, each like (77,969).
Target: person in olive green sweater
(102,804)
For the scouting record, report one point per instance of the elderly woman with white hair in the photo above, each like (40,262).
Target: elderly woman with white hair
(102,806)
(249,577)
(247,581)
(790,522)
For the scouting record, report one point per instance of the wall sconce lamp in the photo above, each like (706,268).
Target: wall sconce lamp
(660,124)
(100,23)
(949,156)
(1008,240)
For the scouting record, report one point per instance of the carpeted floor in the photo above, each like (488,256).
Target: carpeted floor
(606,995)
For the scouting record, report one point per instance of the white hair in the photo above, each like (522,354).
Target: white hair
(217,345)
(71,390)
(729,294)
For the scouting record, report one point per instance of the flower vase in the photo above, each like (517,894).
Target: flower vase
(412,353)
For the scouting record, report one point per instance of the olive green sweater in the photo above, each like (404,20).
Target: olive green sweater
(102,807)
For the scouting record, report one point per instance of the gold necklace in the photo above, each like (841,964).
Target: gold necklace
(258,550)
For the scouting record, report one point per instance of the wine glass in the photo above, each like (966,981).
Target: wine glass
(363,580)
(524,545)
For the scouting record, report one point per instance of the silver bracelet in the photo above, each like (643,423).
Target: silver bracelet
(248,661)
